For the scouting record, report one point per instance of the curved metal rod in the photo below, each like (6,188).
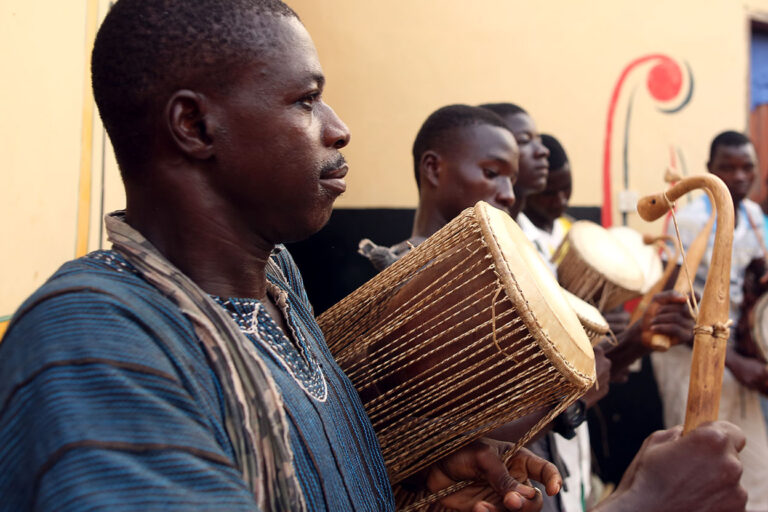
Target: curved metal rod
(708,362)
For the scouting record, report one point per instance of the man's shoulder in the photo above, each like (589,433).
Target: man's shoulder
(754,211)
(94,308)
(97,277)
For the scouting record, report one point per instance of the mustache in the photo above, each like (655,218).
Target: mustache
(332,165)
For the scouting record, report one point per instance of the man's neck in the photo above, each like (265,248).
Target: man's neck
(427,221)
(203,239)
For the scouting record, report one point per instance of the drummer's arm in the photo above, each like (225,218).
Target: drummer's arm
(511,432)
(671,318)
(750,372)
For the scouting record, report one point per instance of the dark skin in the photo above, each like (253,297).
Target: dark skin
(544,208)
(236,170)
(534,164)
(735,165)
(477,163)
(671,473)
(671,318)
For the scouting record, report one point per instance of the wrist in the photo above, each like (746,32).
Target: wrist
(733,359)
(622,501)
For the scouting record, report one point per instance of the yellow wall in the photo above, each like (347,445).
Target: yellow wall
(389,64)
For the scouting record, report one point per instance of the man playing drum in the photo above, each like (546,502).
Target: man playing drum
(183,370)
(732,158)
(453,172)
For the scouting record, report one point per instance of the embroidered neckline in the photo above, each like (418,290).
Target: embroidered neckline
(257,324)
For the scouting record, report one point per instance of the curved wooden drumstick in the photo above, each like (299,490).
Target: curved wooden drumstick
(658,285)
(711,332)
(692,261)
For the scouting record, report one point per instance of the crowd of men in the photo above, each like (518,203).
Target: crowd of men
(183,369)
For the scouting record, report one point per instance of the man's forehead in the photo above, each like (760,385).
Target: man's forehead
(285,44)
(520,122)
(746,150)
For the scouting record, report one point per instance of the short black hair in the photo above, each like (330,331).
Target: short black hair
(504,109)
(557,156)
(436,130)
(146,49)
(727,138)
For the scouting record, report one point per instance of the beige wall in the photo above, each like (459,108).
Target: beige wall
(389,64)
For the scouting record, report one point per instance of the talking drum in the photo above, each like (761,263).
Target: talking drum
(596,267)
(465,333)
(595,325)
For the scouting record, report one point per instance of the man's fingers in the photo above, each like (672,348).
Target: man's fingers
(669,297)
(731,432)
(491,469)
(540,470)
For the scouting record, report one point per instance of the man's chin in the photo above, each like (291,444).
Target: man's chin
(309,228)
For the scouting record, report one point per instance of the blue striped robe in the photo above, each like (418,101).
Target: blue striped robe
(107,403)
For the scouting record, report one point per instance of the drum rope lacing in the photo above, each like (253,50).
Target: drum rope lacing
(719,330)
(398,412)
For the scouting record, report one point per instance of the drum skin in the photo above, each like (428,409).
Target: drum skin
(466,332)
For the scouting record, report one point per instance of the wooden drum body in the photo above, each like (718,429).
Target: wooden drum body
(596,267)
(465,333)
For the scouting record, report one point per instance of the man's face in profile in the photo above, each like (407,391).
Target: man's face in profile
(278,145)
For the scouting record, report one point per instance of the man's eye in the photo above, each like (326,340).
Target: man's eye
(309,100)
(490,173)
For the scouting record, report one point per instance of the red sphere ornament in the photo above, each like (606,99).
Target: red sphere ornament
(665,80)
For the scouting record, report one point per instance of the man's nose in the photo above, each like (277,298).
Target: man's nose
(335,132)
(506,194)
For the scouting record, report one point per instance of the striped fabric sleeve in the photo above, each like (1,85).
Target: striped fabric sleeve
(97,414)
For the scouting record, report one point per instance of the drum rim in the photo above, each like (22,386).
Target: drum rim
(620,275)
(524,290)
(597,322)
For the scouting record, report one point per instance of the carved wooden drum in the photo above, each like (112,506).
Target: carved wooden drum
(465,333)
(596,267)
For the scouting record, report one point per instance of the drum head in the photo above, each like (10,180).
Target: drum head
(760,328)
(647,256)
(588,314)
(537,295)
(603,252)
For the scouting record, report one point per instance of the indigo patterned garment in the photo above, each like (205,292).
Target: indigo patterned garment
(108,401)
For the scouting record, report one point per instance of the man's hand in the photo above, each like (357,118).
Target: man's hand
(618,320)
(670,473)
(603,381)
(750,372)
(668,314)
(498,488)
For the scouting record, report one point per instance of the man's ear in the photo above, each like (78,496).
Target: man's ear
(430,168)
(186,115)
